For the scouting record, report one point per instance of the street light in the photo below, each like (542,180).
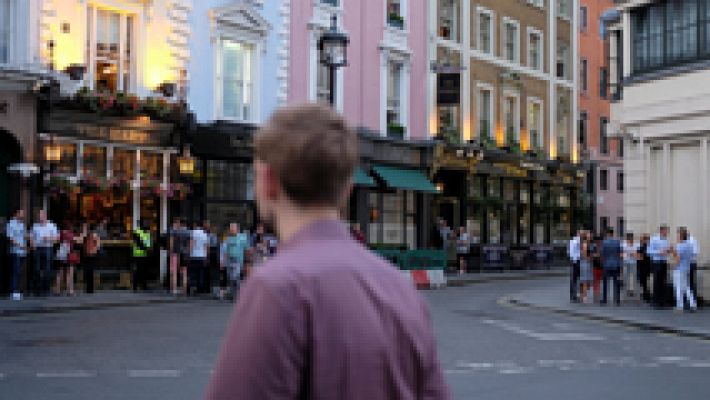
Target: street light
(333,53)
(186,163)
(52,152)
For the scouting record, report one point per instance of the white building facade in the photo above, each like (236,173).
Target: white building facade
(660,75)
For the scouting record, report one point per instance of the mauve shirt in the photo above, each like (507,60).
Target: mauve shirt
(327,319)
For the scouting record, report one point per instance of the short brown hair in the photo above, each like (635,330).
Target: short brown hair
(312,150)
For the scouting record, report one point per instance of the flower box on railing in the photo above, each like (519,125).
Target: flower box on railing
(396,131)
(395,20)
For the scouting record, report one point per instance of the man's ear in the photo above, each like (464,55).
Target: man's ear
(272,184)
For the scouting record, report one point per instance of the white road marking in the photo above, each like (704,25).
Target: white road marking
(2,376)
(462,364)
(154,373)
(556,363)
(517,370)
(67,374)
(703,364)
(542,336)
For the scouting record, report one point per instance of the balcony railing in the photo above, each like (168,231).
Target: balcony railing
(395,20)
(334,3)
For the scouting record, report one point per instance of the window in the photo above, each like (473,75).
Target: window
(563,8)
(485,113)
(620,227)
(583,18)
(562,60)
(395,13)
(669,32)
(620,148)
(334,3)
(449,19)
(535,123)
(603,179)
(510,113)
(603,224)
(583,75)
(583,130)
(537,3)
(535,52)
(603,139)
(236,72)
(109,48)
(395,125)
(511,41)
(5,26)
(564,123)
(620,181)
(485,31)
(603,82)
(229,180)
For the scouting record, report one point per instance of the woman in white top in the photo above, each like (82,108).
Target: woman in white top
(630,250)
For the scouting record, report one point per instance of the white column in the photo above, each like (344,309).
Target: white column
(164,213)
(703,192)
(137,189)
(666,193)
(121,49)
(574,155)
(109,162)
(79,159)
(432,117)
(92,48)
(551,92)
(466,78)
(626,39)
(384,60)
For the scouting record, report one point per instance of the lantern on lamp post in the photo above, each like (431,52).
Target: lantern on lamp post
(186,163)
(333,53)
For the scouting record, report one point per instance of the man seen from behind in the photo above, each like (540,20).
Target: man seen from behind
(324,318)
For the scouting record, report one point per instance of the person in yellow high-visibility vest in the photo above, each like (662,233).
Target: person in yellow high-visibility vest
(140,253)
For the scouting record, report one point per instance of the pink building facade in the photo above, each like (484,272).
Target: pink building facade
(384,87)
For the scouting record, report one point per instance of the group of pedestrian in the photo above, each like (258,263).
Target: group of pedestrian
(631,264)
(66,250)
(193,251)
(452,241)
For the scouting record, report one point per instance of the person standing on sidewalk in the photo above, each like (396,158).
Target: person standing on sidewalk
(92,245)
(658,250)
(630,249)
(142,244)
(231,258)
(199,250)
(176,236)
(573,252)
(644,267)
(43,237)
(611,254)
(463,247)
(64,256)
(16,232)
(586,277)
(684,253)
(325,318)
(694,263)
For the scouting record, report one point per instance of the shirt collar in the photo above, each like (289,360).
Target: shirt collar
(324,229)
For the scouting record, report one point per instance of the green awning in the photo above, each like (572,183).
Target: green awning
(361,178)
(405,179)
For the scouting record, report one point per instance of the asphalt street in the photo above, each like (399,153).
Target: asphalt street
(488,350)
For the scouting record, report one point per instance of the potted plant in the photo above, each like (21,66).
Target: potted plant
(395,130)
(395,20)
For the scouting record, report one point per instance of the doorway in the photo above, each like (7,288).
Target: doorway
(9,184)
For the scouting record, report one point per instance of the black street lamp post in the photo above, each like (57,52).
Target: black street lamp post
(333,53)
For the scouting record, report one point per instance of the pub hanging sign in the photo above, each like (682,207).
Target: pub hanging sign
(448,88)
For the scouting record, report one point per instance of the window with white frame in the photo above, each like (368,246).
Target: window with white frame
(535,124)
(448,21)
(5,26)
(511,40)
(395,123)
(583,18)
(563,57)
(537,3)
(535,49)
(563,8)
(511,118)
(485,113)
(236,74)
(110,41)
(485,31)
(396,13)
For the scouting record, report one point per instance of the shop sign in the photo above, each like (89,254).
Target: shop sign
(512,170)
(106,133)
(395,154)
(448,89)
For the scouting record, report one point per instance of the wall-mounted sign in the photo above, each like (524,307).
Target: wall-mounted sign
(448,89)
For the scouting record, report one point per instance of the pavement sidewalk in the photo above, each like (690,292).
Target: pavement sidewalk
(631,313)
(485,277)
(82,301)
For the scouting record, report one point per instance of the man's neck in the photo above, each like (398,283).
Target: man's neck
(291,219)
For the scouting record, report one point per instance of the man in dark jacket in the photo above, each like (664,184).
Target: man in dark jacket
(611,254)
